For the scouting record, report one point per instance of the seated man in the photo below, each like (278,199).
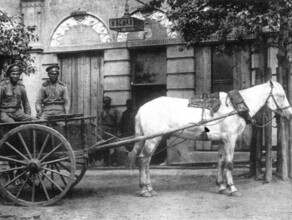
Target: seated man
(14,104)
(53,98)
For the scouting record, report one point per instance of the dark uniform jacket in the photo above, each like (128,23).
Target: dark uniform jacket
(127,124)
(13,98)
(53,97)
(109,118)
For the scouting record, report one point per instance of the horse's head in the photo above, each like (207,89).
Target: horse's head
(277,100)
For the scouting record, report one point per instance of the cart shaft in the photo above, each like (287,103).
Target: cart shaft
(99,145)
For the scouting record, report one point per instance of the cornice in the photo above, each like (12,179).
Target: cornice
(28,1)
(31,3)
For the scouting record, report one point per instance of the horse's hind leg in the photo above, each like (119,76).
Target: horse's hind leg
(144,164)
(143,180)
(149,186)
(145,183)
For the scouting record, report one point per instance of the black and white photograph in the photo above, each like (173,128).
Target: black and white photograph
(145,109)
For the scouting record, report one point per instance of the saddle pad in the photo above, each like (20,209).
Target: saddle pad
(206,101)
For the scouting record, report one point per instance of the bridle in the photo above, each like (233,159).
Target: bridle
(279,109)
(278,112)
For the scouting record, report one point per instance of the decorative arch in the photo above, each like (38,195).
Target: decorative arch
(88,21)
(157,16)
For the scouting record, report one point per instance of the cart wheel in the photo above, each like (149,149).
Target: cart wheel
(33,158)
(81,167)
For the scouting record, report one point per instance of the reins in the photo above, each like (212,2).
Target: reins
(253,122)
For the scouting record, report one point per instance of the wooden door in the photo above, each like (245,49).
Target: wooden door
(82,73)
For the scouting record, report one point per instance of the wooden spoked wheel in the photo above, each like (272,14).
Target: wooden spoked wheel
(37,165)
(76,144)
(81,167)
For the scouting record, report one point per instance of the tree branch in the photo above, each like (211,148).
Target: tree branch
(143,3)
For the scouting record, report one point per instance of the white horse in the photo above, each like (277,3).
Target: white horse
(166,113)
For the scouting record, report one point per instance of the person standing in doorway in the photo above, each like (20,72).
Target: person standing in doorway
(127,123)
(109,124)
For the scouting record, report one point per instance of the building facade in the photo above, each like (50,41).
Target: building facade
(96,61)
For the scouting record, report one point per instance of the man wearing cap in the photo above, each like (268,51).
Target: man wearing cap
(53,98)
(14,104)
(109,124)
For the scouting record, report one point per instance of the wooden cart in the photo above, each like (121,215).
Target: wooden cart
(41,161)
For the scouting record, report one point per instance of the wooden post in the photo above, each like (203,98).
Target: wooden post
(279,142)
(259,146)
(284,150)
(289,81)
(256,146)
(268,144)
(282,127)
(252,154)
(268,139)
(279,147)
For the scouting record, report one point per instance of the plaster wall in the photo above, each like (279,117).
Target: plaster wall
(11,7)
(58,10)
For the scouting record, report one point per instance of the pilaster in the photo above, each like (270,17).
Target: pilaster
(180,72)
(32,13)
(117,75)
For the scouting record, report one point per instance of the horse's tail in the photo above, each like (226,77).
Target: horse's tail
(138,145)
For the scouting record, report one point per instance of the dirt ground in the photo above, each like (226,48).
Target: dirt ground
(183,194)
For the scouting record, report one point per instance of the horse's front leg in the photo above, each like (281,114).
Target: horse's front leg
(221,164)
(229,151)
(222,138)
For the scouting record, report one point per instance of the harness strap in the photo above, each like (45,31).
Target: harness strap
(239,105)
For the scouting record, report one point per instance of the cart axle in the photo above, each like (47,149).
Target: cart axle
(34,166)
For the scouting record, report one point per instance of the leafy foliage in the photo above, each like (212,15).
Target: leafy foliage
(15,38)
(201,20)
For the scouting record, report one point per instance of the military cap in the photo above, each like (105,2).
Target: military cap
(106,98)
(129,102)
(53,68)
(13,68)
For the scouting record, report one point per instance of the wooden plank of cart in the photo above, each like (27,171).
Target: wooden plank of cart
(41,161)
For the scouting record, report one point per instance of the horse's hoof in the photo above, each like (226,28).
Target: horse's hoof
(146,194)
(153,193)
(224,192)
(235,194)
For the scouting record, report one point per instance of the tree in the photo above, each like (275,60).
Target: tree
(15,38)
(241,21)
